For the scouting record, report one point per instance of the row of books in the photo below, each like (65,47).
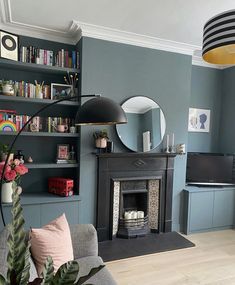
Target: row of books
(38,124)
(29,90)
(61,58)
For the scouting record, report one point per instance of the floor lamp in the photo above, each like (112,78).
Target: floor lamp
(96,111)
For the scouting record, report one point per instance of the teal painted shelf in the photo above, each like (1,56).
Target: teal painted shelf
(50,165)
(33,67)
(43,198)
(35,100)
(41,134)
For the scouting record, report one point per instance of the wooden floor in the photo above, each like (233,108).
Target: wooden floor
(211,262)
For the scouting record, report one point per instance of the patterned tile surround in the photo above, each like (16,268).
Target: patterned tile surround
(153,201)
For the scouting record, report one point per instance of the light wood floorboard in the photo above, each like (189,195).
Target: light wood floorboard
(210,262)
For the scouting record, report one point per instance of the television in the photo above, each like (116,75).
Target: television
(209,169)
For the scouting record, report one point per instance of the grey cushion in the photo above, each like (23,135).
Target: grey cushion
(103,277)
(3,257)
(84,239)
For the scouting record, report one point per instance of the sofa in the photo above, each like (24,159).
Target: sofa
(85,248)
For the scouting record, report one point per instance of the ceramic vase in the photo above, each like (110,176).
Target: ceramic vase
(7,190)
(101,143)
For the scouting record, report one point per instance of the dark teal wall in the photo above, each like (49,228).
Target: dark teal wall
(227,127)
(206,90)
(119,71)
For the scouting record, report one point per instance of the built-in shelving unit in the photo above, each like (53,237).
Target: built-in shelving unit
(40,206)
(41,134)
(32,67)
(15,99)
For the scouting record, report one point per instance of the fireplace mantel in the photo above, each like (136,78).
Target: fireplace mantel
(120,166)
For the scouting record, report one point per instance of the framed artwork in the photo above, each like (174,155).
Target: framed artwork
(62,151)
(199,120)
(59,91)
(8,45)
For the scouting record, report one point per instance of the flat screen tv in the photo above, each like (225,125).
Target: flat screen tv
(204,168)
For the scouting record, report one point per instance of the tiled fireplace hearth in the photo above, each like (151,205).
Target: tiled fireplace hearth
(134,194)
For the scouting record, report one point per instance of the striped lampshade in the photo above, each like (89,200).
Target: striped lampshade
(219,39)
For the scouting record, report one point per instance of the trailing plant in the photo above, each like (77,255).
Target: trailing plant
(101,135)
(4,148)
(18,258)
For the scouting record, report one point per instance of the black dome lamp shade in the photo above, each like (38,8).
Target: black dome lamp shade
(219,39)
(100,111)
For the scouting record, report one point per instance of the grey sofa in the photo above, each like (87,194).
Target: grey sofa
(85,247)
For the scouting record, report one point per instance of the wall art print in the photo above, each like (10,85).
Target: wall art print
(199,120)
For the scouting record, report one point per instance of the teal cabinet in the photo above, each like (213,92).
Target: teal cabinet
(201,210)
(207,209)
(223,208)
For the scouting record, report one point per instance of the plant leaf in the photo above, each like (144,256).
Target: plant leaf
(92,272)
(2,280)
(26,271)
(66,274)
(16,243)
(48,271)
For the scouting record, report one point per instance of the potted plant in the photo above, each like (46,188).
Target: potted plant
(14,170)
(4,148)
(8,88)
(101,138)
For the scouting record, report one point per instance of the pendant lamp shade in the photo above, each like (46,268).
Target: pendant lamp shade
(219,39)
(100,111)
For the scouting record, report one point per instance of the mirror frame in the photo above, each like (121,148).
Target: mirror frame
(116,126)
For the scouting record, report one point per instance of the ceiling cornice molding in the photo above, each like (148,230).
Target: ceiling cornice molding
(197,60)
(114,35)
(7,23)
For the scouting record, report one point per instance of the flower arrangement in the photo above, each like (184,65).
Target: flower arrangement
(13,171)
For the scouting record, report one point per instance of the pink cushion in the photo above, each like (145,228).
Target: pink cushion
(52,240)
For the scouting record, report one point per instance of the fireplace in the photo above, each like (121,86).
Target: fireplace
(134,194)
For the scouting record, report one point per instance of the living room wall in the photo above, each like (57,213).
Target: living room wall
(206,93)
(227,129)
(119,71)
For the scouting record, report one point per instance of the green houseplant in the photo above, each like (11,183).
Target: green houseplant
(19,253)
(101,138)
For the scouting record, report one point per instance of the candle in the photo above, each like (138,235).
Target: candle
(140,214)
(127,215)
(167,142)
(173,140)
(134,214)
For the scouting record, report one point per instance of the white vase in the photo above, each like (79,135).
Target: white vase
(7,191)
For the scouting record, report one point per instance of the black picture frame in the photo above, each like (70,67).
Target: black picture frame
(10,52)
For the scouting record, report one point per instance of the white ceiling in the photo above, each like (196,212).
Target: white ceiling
(180,21)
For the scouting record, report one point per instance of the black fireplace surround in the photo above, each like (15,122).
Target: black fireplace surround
(120,166)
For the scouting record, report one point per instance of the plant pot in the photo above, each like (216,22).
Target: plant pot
(7,190)
(8,89)
(3,157)
(101,143)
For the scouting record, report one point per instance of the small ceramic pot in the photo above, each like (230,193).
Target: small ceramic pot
(8,89)
(101,143)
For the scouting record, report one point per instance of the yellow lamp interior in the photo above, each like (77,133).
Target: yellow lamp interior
(221,55)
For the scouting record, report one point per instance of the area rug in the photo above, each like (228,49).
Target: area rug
(152,243)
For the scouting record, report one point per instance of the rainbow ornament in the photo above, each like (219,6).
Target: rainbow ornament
(7,126)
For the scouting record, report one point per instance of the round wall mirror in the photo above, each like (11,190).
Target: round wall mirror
(145,126)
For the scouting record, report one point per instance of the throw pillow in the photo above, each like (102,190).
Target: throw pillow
(52,240)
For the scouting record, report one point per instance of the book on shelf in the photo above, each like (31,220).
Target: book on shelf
(61,58)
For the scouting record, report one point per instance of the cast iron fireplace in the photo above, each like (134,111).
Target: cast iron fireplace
(134,194)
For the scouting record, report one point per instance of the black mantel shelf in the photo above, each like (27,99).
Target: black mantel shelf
(136,154)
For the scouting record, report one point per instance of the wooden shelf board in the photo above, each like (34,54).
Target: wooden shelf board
(33,67)
(50,165)
(44,198)
(41,134)
(11,99)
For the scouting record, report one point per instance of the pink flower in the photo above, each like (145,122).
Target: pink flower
(8,168)
(16,162)
(10,175)
(21,169)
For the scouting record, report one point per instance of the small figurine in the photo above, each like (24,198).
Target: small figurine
(30,160)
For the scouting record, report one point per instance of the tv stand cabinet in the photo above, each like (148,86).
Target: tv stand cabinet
(208,208)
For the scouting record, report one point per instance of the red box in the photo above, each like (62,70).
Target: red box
(60,186)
